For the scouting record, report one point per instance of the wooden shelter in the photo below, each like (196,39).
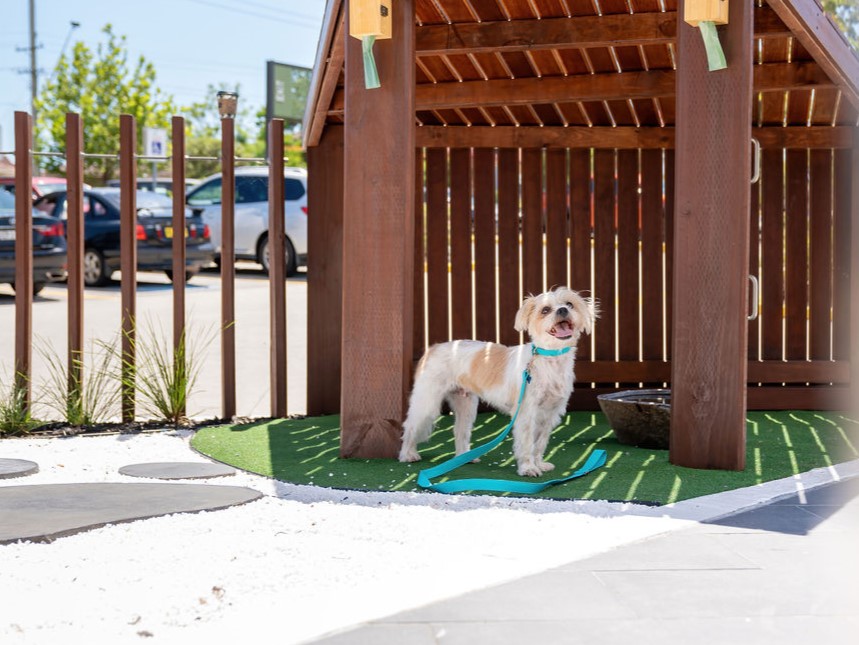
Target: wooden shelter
(518,144)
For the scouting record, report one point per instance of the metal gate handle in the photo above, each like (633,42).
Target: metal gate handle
(756,175)
(755,298)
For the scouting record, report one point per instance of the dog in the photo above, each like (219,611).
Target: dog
(463,371)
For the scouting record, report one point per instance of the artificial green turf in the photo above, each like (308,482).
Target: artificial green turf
(305,451)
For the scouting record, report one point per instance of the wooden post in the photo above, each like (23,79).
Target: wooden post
(276,269)
(128,256)
(325,271)
(854,272)
(378,243)
(75,237)
(180,338)
(228,267)
(711,248)
(23,256)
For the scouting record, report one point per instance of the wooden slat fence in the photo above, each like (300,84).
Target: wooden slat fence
(497,224)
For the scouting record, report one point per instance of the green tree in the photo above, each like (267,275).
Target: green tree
(845,14)
(99,85)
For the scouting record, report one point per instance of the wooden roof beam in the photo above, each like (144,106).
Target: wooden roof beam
(591,87)
(815,137)
(581,31)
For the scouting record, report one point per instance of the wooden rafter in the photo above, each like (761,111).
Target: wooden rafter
(815,137)
(596,87)
(580,31)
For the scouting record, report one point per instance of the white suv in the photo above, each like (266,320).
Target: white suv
(251,209)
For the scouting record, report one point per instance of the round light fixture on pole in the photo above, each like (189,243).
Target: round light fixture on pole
(227,104)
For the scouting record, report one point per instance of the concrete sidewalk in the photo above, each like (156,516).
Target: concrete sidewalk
(781,573)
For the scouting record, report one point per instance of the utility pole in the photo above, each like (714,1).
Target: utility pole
(34,71)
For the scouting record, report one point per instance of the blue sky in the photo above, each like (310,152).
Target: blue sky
(192,43)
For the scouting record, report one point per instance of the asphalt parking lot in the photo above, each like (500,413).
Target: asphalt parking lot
(154,314)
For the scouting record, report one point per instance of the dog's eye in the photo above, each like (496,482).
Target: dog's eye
(546,310)
(570,305)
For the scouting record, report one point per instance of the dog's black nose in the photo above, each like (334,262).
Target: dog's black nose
(563,311)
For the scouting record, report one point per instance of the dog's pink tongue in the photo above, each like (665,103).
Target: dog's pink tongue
(563,329)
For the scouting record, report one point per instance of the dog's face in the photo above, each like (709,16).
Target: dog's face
(557,318)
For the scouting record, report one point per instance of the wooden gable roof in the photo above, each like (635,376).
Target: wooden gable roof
(592,63)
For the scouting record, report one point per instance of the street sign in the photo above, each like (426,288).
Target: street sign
(154,142)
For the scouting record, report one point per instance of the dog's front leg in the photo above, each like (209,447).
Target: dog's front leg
(543,432)
(523,445)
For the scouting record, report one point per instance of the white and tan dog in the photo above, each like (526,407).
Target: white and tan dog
(462,370)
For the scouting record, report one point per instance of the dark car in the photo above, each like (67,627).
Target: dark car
(49,246)
(154,233)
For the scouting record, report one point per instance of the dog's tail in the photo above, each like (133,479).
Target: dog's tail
(424,408)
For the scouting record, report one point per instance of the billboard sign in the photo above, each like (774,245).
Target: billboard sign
(286,91)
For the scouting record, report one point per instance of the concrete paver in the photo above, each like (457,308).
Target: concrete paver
(178,470)
(44,512)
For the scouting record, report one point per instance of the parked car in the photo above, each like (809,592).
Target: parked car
(162,184)
(154,233)
(49,246)
(41,185)
(251,214)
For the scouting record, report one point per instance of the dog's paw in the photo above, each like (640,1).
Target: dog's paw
(529,470)
(408,456)
(545,466)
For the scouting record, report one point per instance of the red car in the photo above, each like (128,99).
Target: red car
(41,185)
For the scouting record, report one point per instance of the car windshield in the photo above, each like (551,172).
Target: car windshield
(7,199)
(145,199)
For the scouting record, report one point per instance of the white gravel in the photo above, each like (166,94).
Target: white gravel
(299,563)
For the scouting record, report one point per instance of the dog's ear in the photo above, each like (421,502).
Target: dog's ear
(590,314)
(524,314)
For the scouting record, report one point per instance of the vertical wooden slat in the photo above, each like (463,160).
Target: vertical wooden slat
(604,249)
(128,257)
(627,255)
(713,191)
(821,295)
(772,255)
(532,221)
(325,271)
(509,297)
(581,231)
(378,243)
(75,241)
(845,314)
(180,338)
(23,256)
(228,268)
(277,269)
(669,249)
(556,218)
(652,256)
(796,249)
(462,325)
(419,327)
(437,257)
(484,244)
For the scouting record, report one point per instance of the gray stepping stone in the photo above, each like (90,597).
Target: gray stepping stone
(17,468)
(178,470)
(42,513)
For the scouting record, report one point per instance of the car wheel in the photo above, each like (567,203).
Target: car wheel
(37,287)
(95,269)
(288,252)
(188,274)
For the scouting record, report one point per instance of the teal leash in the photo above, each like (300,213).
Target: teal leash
(596,459)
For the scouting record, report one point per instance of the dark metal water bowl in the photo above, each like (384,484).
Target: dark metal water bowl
(639,417)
